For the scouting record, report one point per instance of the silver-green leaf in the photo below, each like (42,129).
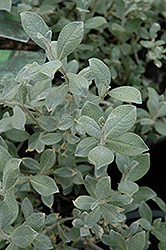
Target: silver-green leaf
(100,70)
(100,156)
(18,119)
(120,120)
(69,38)
(56,96)
(44,185)
(34,24)
(23,236)
(90,126)
(128,144)
(126,94)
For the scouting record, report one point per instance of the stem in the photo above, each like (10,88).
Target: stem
(106,103)
(11,104)
(93,246)
(56,223)
(136,56)
(88,243)
(23,179)
(156,115)
(93,6)
(5,236)
(62,69)
(32,117)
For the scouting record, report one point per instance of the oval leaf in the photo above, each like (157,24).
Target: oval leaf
(69,39)
(128,144)
(34,24)
(23,236)
(120,120)
(44,185)
(90,126)
(101,71)
(100,156)
(95,22)
(56,96)
(84,202)
(85,145)
(19,118)
(128,187)
(126,94)
(137,242)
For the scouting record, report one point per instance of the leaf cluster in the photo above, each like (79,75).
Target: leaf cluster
(76,125)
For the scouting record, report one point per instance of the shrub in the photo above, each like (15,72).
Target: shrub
(75,125)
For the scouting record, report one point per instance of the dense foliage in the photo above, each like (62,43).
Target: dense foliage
(62,125)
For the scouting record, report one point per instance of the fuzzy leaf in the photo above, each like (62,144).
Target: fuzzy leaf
(35,220)
(137,242)
(65,172)
(4,158)
(85,145)
(126,94)
(42,242)
(128,144)
(9,210)
(47,160)
(95,22)
(160,233)
(141,169)
(78,84)
(56,96)
(128,187)
(84,202)
(51,138)
(90,126)
(34,24)
(101,71)
(66,123)
(100,156)
(48,200)
(69,39)
(50,68)
(115,240)
(92,110)
(19,118)
(6,124)
(26,207)
(153,101)
(44,185)
(145,224)
(103,188)
(11,173)
(120,120)
(111,213)
(5,5)
(47,123)
(34,143)
(93,217)
(30,163)
(145,211)
(63,235)
(23,236)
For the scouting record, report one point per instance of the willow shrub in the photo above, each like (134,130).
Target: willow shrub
(74,138)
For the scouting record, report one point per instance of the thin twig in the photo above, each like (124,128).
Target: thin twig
(5,236)
(23,108)
(62,69)
(32,117)
(56,223)
(92,245)
(136,56)
(88,243)
(106,103)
